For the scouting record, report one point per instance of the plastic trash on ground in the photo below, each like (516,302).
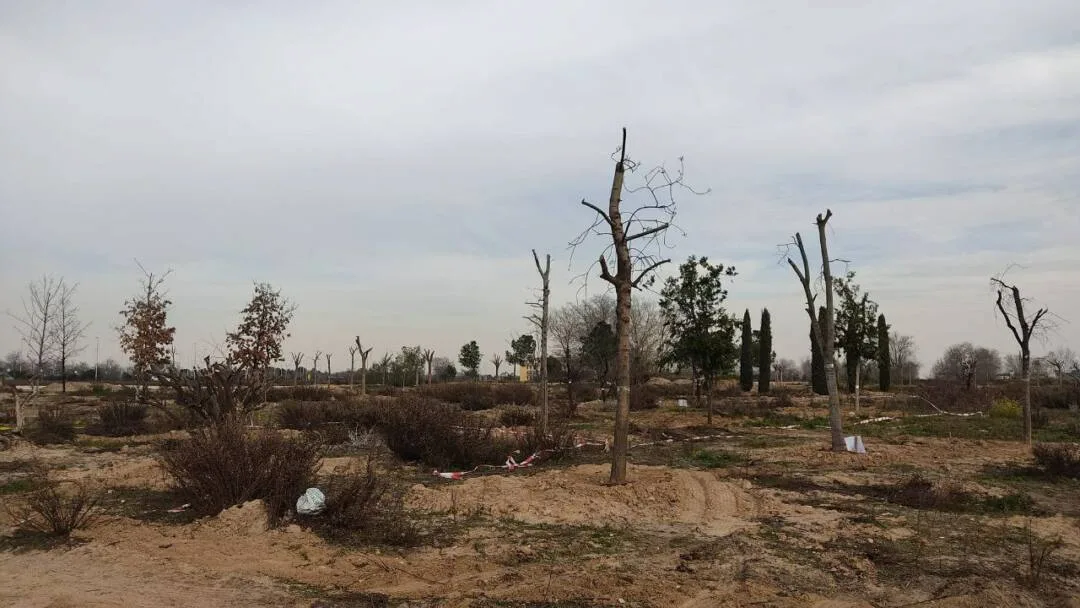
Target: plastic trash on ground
(312,502)
(682,403)
(855,444)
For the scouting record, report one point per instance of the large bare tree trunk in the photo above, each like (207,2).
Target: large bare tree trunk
(826,336)
(542,325)
(363,366)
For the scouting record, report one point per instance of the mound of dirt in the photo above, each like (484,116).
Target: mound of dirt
(655,496)
(248,519)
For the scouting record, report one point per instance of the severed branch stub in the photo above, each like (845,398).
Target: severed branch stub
(628,262)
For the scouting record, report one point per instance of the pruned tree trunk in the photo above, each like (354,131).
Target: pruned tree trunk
(542,325)
(825,336)
(363,366)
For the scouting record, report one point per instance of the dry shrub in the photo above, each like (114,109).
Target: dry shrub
(513,393)
(223,465)
(364,505)
(54,424)
(50,510)
(312,415)
(120,420)
(919,492)
(278,394)
(782,398)
(643,397)
(439,434)
(516,416)
(1061,459)
(1059,396)
(586,392)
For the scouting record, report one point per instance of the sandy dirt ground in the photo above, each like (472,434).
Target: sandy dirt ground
(680,536)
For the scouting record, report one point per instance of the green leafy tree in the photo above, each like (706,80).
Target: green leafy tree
(746,360)
(700,333)
(856,326)
(766,354)
(448,372)
(523,351)
(469,358)
(598,349)
(884,356)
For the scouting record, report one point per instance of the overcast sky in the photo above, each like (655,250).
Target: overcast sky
(390,165)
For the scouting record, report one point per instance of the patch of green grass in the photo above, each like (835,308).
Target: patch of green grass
(17,486)
(560,543)
(715,459)
(779,419)
(1059,428)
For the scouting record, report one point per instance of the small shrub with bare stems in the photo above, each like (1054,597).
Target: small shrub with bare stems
(53,509)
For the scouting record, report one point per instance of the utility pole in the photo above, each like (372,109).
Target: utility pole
(97,356)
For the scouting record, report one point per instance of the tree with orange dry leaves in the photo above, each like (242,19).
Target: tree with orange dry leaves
(145,336)
(256,343)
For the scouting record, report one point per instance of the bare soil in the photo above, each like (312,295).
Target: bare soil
(775,520)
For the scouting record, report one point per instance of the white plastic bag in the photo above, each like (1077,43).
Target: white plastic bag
(312,502)
(855,444)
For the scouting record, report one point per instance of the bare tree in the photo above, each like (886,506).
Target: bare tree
(1062,360)
(1023,328)
(352,363)
(384,364)
(783,367)
(632,236)
(364,352)
(315,367)
(567,331)
(496,362)
(36,329)
(429,358)
(826,336)
(145,336)
(328,372)
(68,330)
(541,322)
(297,360)
(901,352)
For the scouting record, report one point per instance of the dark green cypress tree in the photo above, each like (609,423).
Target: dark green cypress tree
(817,360)
(746,362)
(884,358)
(765,353)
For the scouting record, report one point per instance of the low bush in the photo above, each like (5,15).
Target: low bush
(1061,459)
(50,510)
(643,397)
(312,415)
(513,393)
(516,416)
(586,392)
(278,394)
(439,434)
(921,493)
(224,465)
(54,424)
(1058,396)
(120,420)
(364,505)
(782,398)
(1005,408)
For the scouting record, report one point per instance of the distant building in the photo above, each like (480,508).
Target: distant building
(523,373)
